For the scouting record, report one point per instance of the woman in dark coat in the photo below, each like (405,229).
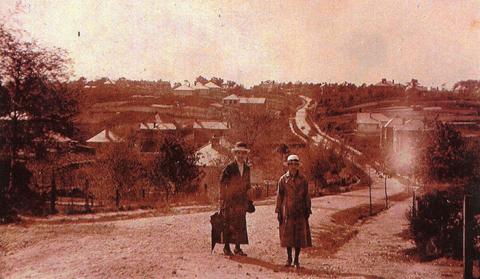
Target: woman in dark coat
(293,209)
(234,186)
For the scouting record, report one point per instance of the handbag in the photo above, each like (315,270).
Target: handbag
(250,206)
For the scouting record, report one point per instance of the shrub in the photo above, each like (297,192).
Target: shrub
(21,199)
(436,227)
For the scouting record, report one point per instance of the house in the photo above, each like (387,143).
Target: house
(216,127)
(183,91)
(407,136)
(368,123)
(204,130)
(231,100)
(200,89)
(212,86)
(245,103)
(415,89)
(252,102)
(211,159)
(105,136)
(158,126)
(385,83)
(386,135)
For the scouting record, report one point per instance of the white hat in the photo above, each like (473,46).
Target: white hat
(240,146)
(293,157)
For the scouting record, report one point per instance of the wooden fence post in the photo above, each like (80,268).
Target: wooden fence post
(467,237)
(53,194)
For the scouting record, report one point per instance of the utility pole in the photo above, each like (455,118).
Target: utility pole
(370,190)
(386,195)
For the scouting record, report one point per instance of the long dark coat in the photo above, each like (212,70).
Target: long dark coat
(293,201)
(234,201)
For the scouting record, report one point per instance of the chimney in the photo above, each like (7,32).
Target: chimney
(107,133)
(393,81)
(384,80)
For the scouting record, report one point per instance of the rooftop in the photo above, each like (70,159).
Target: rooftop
(211,85)
(157,126)
(210,125)
(104,137)
(184,88)
(252,100)
(231,97)
(213,155)
(371,118)
(395,122)
(412,125)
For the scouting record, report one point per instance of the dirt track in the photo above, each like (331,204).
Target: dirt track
(179,246)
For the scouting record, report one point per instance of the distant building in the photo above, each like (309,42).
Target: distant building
(231,100)
(387,134)
(183,91)
(368,123)
(407,136)
(211,158)
(105,136)
(234,101)
(212,86)
(385,83)
(200,89)
(414,89)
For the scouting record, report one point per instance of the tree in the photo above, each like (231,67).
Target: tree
(122,166)
(35,100)
(448,167)
(201,80)
(174,168)
(444,156)
(217,81)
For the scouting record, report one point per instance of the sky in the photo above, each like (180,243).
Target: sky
(436,42)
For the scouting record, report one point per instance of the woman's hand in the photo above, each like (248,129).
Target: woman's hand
(280,218)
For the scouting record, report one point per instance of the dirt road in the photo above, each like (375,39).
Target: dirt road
(163,247)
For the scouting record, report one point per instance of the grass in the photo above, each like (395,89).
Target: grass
(344,226)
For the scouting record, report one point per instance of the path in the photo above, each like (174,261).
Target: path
(176,245)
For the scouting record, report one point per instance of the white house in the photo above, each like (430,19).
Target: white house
(183,91)
(370,123)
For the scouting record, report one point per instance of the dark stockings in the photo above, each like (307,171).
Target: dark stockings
(227,246)
(297,254)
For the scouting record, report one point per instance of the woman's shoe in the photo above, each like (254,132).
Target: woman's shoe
(288,263)
(239,252)
(227,252)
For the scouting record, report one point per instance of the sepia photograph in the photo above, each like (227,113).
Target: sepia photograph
(240,139)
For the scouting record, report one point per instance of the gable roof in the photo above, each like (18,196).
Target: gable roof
(105,136)
(211,155)
(210,125)
(200,86)
(231,97)
(379,117)
(412,125)
(394,122)
(364,118)
(157,126)
(252,100)
(211,85)
(184,88)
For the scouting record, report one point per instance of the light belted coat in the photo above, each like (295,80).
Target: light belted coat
(293,201)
